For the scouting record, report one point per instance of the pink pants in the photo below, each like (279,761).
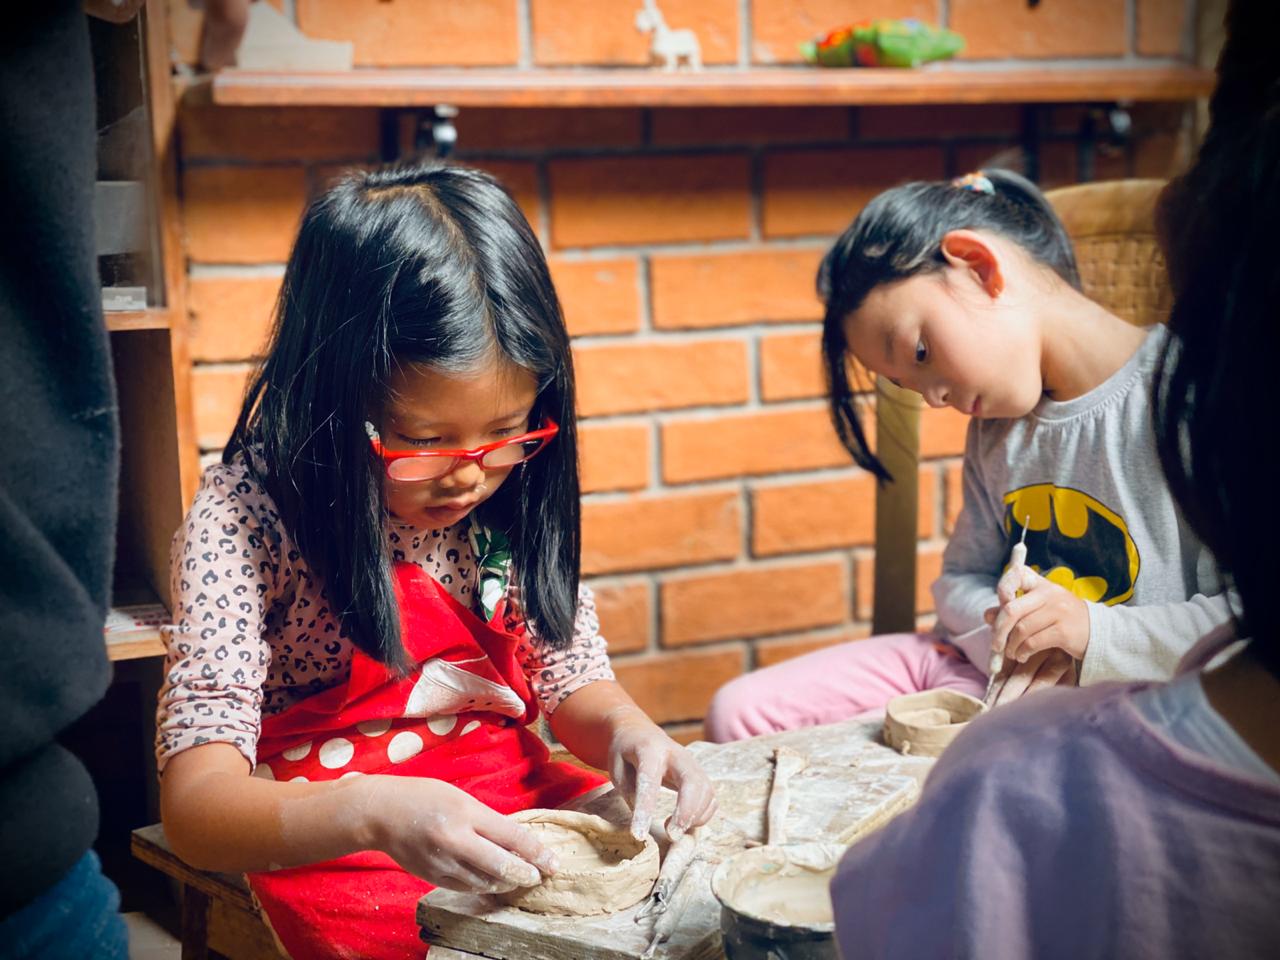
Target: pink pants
(837,683)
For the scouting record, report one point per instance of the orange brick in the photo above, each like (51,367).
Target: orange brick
(942,432)
(769,652)
(550,129)
(521,180)
(677,686)
(781,25)
(731,604)
(1162,28)
(230,316)
(791,366)
(826,514)
(185,24)
(733,445)
(626,613)
(217,393)
(725,289)
(646,533)
(1160,156)
(640,377)
(571,32)
(598,296)
(927,508)
(264,134)
(242,214)
(954,485)
(186,21)
(409,33)
(928,568)
(820,191)
(689,126)
(663,199)
(1058,161)
(999,29)
(614,456)
(936,122)
(813,515)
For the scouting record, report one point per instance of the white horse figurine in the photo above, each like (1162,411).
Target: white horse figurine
(667,44)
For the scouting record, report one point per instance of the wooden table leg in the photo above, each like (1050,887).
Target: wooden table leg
(195,923)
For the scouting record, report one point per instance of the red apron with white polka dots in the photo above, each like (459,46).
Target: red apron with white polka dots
(363,904)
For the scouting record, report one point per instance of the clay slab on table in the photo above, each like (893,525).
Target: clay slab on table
(852,781)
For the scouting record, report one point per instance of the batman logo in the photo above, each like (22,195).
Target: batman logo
(1074,541)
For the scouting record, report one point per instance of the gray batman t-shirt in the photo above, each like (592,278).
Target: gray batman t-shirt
(1101,522)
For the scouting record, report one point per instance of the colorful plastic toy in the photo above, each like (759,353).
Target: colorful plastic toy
(883,43)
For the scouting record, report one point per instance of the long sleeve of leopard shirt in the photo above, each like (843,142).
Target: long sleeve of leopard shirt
(253,632)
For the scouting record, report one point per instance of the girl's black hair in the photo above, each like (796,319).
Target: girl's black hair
(1213,390)
(899,235)
(426,264)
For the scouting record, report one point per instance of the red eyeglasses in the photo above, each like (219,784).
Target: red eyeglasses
(410,466)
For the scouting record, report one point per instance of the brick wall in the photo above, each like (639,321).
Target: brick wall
(724,528)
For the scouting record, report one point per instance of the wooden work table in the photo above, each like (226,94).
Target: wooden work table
(852,782)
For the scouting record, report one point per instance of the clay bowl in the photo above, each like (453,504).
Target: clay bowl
(775,902)
(922,724)
(603,868)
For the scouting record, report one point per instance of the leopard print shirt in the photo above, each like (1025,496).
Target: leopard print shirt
(253,632)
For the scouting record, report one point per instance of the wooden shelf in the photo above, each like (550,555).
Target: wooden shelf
(939,84)
(137,319)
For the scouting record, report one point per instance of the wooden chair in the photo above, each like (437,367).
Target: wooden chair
(1112,225)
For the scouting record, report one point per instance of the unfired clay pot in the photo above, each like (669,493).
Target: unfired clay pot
(603,868)
(922,724)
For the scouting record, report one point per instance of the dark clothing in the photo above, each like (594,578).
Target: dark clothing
(59,456)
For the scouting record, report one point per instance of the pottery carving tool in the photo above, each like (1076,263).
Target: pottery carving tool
(786,764)
(1017,559)
(691,882)
(679,856)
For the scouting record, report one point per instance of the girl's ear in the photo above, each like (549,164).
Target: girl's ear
(969,250)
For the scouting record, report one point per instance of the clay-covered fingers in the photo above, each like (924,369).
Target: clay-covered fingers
(1009,614)
(651,762)
(497,868)
(1035,631)
(520,842)
(1015,579)
(695,796)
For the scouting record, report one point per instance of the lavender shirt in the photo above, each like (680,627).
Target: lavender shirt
(1066,825)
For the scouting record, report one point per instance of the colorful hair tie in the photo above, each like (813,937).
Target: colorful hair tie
(977,181)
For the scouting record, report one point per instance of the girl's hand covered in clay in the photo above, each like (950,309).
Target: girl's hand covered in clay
(642,759)
(447,837)
(1046,616)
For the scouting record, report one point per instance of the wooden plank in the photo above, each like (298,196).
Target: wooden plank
(151,846)
(163,107)
(942,83)
(137,319)
(893,608)
(134,646)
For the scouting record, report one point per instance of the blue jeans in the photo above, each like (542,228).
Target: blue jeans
(79,917)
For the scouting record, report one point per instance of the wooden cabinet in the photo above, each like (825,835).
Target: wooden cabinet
(142,268)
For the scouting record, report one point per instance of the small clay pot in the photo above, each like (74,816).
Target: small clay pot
(922,724)
(775,902)
(621,875)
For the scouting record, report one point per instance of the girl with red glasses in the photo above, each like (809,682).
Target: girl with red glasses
(376,591)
